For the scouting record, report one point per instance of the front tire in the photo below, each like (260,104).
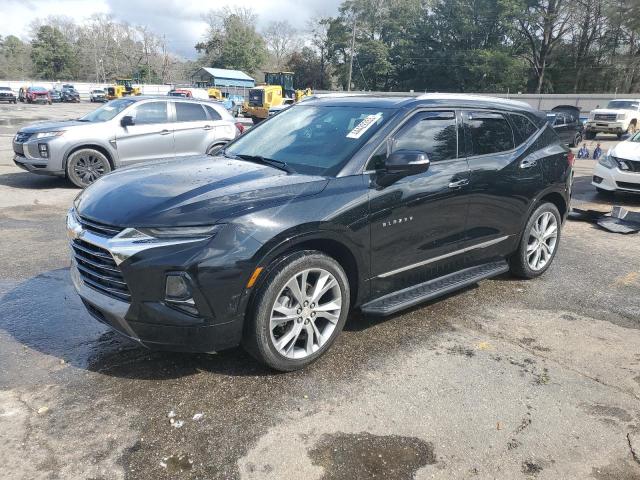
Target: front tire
(589,135)
(298,311)
(539,243)
(85,166)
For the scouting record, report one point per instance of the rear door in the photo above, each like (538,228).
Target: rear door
(223,130)
(149,138)
(505,175)
(192,130)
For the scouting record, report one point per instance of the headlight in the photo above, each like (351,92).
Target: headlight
(622,116)
(170,233)
(48,134)
(608,161)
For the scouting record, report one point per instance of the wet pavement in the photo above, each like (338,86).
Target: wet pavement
(507,379)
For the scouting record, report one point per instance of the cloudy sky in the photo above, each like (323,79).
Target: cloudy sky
(180,20)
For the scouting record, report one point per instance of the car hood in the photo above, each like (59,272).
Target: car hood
(611,111)
(627,150)
(199,190)
(51,126)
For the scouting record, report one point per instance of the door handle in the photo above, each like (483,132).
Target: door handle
(528,163)
(459,183)
(207,127)
(165,132)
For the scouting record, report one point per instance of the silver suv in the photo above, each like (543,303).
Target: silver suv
(123,132)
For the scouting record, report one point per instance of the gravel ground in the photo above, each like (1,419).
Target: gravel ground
(507,379)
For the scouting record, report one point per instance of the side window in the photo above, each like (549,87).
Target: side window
(523,127)
(489,133)
(154,112)
(213,114)
(190,112)
(434,133)
(376,162)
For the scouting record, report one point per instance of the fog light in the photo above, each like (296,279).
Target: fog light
(597,179)
(44,150)
(177,288)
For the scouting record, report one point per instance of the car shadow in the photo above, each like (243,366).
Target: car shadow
(45,314)
(33,181)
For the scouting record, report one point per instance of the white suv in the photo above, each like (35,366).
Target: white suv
(620,117)
(122,132)
(619,169)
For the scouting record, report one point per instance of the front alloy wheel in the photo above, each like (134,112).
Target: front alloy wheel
(85,166)
(298,311)
(305,313)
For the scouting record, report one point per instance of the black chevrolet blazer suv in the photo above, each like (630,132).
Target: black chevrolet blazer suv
(375,203)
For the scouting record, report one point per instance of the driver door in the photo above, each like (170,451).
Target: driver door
(149,138)
(419,221)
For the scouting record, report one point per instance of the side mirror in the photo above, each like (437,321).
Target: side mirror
(407,162)
(127,121)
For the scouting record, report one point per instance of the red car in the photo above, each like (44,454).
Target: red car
(38,94)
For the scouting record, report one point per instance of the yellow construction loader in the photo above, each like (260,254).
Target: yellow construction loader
(122,87)
(278,90)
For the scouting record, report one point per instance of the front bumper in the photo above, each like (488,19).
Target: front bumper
(613,179)
(604,126)
(147,318)
(27,156)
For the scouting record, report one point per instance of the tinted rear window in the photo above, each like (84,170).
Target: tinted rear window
(213,114)
(190,112)
(489,133)
(524,128)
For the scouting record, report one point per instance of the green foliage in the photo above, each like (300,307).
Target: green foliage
(233,41)
(308,70)
(51,54)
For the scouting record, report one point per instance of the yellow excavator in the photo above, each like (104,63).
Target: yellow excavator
(278,90)
(122,87)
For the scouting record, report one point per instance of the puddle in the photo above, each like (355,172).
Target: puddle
(353,456)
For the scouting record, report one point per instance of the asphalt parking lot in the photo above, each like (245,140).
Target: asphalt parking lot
(508,379)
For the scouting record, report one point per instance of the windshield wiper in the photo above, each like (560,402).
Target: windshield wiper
(267,161)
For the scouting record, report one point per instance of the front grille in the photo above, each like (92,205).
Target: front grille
(6,94)
(609,117)
(634,166)
(629,186)
(98,228)
(256,98)
(99,271)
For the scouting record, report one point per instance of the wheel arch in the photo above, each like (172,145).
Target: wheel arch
(92,146)
(328,243)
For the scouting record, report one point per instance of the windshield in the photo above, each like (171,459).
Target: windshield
(311,139)
(107,111)
(623,104)
(5,88)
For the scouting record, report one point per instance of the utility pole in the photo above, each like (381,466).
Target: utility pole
(353,46)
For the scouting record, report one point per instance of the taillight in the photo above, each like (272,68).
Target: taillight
(240,127)
(571,158)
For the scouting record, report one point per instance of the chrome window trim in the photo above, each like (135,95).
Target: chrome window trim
(442,257)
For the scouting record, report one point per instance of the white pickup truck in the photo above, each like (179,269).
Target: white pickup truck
(620,117)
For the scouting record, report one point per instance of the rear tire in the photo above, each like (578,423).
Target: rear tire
(289,328)
(576,140)
(85,166)
(539,243)
(214,149)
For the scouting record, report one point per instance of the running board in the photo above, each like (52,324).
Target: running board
(408,297)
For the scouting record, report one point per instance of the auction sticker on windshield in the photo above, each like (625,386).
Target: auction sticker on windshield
(364,125)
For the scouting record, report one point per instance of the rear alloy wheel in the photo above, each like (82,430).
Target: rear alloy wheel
(214,149)
(85,166)
(539,243)
(299,311)
(577,140)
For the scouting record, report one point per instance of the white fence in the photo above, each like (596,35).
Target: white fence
(585,101)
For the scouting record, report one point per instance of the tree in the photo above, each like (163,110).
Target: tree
(232,41)
(543,24)
(281,40)
(15,59)
(51,54)
(306,66)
